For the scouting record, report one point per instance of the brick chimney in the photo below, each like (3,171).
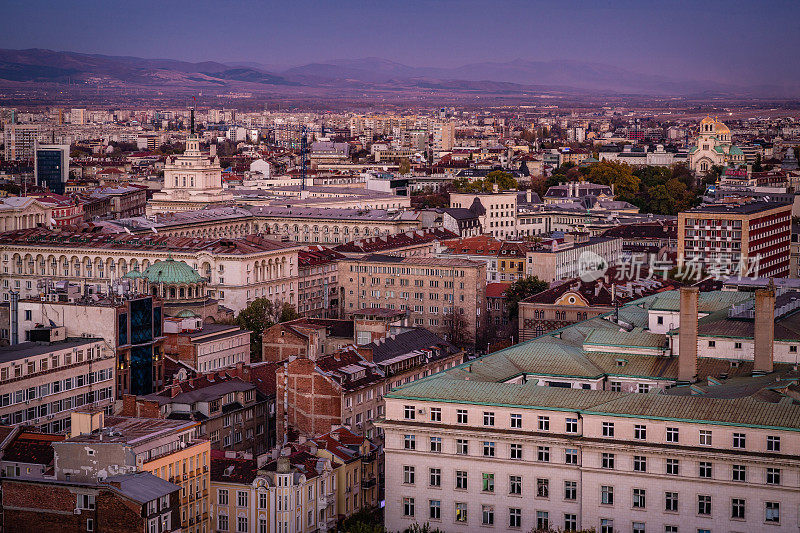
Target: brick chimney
(764,331)
(687,340)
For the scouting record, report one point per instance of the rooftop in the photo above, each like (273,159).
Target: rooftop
(738,209)
(33,349)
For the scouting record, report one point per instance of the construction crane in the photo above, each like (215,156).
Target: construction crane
(303,147)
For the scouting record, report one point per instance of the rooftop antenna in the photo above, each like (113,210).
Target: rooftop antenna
(303,157)
(194,104)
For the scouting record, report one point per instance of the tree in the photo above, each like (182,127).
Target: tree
(521,289)
(626,184)
(457,330)
(757,166)
(259,315)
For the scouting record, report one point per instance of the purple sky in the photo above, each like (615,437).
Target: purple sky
(741,42)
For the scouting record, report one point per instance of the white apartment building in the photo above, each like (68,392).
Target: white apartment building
(497,212)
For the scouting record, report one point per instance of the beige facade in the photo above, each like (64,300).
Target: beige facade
(23,213)
(534,467)
(42,382)
(434,292)
(564,260)
(236,277)
(500,216)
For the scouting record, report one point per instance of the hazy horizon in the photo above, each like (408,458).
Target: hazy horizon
(729,42)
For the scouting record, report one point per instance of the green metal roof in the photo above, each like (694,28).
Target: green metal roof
(171,272)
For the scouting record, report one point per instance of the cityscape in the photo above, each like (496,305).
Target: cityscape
(425,267)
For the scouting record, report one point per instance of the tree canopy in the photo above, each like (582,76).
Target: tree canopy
(521,289)
(503,180)
(260,314)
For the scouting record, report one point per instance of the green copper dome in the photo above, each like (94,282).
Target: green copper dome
(186,313)
(171,272)
(133,274)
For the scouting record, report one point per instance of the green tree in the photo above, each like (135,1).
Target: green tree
(626,184)
(757,166)
(260,314)
(521,289)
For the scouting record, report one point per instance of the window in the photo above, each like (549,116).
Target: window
(606,525)
(608,429)
(738,440)
(544,423)
(89,524)
(772,512)
(542,520)
(638,527)
(640,432)
(570,522)
(436,477)
(571,456)
(409,412)
(673,467)
(672,529)
(773,476)
(639,498)
(571,425)
(222,496)
(515,485)
(704,505)
(241,524)
(570,490)
(435,507)
(737,345)
(410,442)
(643,388)
(516,451)
(737,508)
(462,446)
(436,444)
(542,488)
(488,482)
(488,449)
(408,506)
(705,469)
(671,502)
(461,416)
(516,421)
(241,498)
(514,517)
(672,434)
(222,522)
(408,475)
(639,463)
(436,414)
(739,473)
(616,386)
(85,501)
(773,443)
(487,515)
(461,479)
(607,495)
(705,438)
(607,460)
(488,418)
(461,512)
(543,454)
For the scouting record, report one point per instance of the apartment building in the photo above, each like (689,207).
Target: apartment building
(719,236)
(230,411)
(43,380)
(439,294)
(296,493)
(205,347)
(505,261)
(581,439)
(131,328)
(131,503)
(317,283)
(100,446)
(564,258)
(497,211)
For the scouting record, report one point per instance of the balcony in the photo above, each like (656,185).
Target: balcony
(368,483)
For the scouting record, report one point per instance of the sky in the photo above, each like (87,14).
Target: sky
(730,41)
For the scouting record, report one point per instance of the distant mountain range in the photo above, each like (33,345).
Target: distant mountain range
(37,66)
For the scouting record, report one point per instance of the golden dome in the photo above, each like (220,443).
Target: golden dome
(707,120)
(719,127)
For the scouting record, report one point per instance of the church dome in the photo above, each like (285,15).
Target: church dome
(720,127)
(707,120)
(133,274)
(171,272)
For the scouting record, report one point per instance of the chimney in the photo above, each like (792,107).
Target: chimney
(764,330)
(212,150)
(687,340)
(528,196)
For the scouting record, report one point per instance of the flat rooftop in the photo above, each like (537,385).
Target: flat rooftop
(33,349)
(737,209)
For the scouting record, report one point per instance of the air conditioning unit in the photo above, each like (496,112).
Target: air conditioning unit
(76,511)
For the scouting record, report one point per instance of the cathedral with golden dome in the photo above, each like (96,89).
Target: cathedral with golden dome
(714,147)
